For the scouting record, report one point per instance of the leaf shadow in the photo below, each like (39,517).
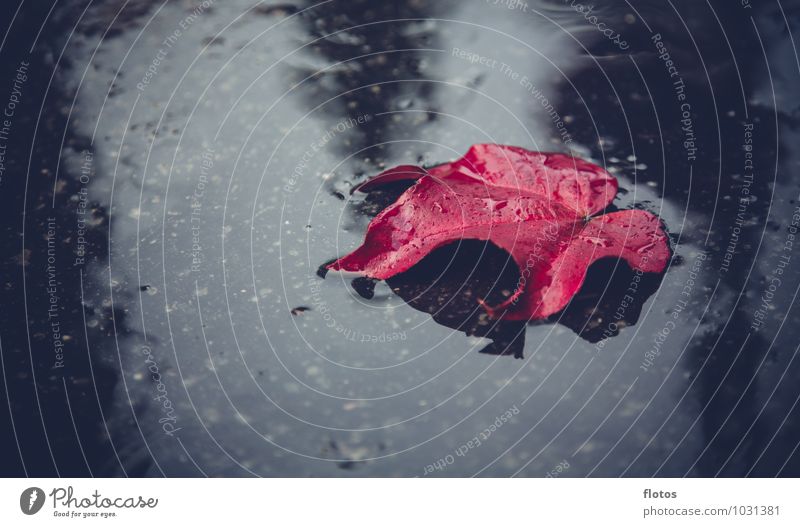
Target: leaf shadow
(448,283)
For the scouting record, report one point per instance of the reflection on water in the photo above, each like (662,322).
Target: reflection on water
(219,144)
(448,283)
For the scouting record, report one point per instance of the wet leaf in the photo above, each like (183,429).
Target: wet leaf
(541,208)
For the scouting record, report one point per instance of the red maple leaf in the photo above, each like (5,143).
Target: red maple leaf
(536,206)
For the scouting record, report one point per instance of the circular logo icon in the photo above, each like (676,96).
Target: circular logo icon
(31,500)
